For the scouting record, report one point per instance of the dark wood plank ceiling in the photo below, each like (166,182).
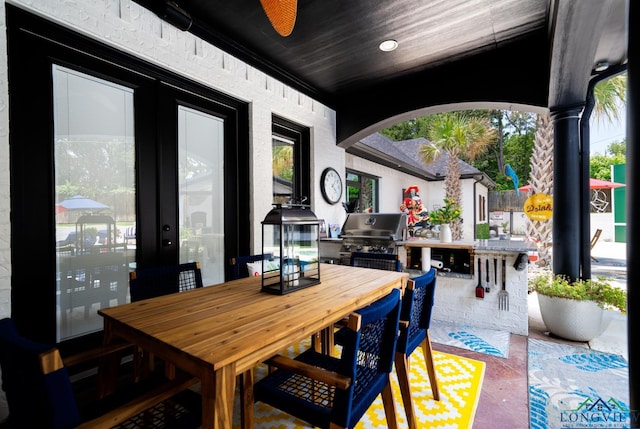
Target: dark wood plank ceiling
(513,53)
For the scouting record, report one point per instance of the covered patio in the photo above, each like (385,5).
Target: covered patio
(333,76)
(541,56)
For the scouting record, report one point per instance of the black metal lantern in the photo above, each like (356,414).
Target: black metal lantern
(290,234)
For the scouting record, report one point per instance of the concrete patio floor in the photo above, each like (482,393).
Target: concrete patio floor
(504,399)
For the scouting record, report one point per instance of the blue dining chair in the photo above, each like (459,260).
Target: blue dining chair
(163,280)
(40,393)
(329,391)
(158,281)
(415,317)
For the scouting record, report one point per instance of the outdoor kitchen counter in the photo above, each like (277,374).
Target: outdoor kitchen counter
(494,245)
(456,300)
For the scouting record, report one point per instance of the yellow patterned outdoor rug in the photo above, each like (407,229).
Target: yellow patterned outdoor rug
(459,379)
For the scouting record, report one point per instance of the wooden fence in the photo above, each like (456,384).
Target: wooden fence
(506,201)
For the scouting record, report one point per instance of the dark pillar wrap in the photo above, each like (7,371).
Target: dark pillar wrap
(566,196)
(633,222)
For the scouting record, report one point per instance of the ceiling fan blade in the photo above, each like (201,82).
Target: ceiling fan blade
(281,14)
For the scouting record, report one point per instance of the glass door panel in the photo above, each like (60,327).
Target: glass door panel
(201,192)
(95,190)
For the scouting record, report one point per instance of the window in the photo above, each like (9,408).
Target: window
(290,162)
(94,164)
(283,168)
(362,193)
(160,145)
(482,209)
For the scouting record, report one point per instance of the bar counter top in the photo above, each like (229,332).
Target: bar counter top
(496,245)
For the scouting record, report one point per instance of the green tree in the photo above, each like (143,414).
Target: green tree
(282,161)
(457,134)
(515,132)
(411,129)
(600,165)
(513,145)
(610,96)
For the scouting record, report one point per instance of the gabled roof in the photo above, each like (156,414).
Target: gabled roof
(404,156)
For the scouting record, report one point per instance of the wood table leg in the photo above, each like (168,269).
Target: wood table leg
(217,390)
(246,399)
(108,366)
(327,340)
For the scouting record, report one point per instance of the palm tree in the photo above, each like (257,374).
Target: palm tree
(458,135)
(610,98)
(541,181)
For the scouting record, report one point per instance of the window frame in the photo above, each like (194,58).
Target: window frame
(301,138)
(358,184)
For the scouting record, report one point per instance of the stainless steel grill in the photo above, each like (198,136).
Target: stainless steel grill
(372,232)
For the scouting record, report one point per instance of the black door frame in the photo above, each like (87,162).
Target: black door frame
(31,156)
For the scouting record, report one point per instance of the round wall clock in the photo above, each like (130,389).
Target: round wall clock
(331,185)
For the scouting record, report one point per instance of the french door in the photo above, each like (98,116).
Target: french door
(116,165)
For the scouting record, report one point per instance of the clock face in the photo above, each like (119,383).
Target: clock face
(331,185)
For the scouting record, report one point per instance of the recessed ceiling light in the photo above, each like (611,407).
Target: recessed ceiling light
(388,45)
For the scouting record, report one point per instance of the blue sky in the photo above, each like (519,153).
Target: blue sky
(603,135)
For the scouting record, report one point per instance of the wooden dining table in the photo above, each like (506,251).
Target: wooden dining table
(221,331)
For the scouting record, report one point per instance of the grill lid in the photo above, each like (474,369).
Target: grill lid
(390,226)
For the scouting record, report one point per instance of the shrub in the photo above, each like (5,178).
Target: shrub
(599,291)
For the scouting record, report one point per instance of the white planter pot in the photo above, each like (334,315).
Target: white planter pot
(445,233)
(571,319)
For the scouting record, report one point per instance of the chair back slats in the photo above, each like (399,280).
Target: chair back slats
(35,400)
(190,278)
(366,359)
(40,393)
(163,280)
(374,348)
(417,305)
(380,261)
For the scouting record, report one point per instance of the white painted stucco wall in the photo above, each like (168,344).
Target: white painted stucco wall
(392,182)
(435,197)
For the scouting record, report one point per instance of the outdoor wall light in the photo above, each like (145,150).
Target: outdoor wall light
(388,45)
(601,66)
(176,16)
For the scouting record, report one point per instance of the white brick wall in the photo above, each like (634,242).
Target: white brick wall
(456,300)
(130,28)
(127,26)
(5,238)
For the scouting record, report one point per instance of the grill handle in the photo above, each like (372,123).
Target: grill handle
(370,237)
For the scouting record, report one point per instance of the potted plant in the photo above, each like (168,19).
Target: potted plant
(443,216)
(505,227)
(574,309)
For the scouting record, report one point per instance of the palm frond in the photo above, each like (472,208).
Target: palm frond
(610,96)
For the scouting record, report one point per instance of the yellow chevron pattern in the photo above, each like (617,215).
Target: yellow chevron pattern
(460,381)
